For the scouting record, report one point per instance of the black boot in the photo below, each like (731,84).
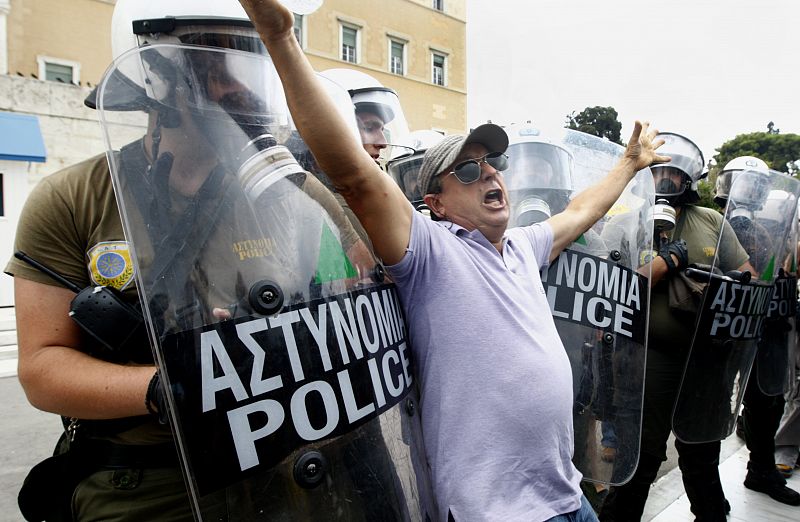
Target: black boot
(773,484)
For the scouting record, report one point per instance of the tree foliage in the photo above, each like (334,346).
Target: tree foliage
(780,151)
(705,189)
(597,121)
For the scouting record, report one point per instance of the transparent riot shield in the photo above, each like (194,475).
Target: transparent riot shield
(282,345)
(597,296)
(733,311)
(775,355)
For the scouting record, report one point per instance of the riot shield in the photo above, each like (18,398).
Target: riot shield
(775,355)
(733,310)
(598,299)
(282,345)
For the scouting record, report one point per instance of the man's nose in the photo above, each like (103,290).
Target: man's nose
(487,170)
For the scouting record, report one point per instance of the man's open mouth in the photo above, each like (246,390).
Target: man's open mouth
(493,197)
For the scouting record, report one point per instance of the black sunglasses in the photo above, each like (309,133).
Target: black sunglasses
(469,171)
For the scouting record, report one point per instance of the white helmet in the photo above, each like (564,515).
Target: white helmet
(381,120)
(687,160)
(725,178)
(139,22)
(208,23)
(204,58)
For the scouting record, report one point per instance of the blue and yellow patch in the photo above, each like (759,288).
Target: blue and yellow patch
(110,264)
(646,256)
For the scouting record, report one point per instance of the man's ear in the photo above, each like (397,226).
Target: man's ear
(435,204)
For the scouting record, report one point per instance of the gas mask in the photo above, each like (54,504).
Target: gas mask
(670,183)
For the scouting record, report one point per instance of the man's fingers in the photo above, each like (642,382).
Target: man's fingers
(661,159)
(653,133)
(637,130)
(658,143)
(221,314)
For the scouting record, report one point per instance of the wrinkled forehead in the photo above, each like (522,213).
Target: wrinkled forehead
(471,151)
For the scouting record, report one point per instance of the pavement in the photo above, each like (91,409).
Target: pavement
(8,342)
(28,435)
(668,503)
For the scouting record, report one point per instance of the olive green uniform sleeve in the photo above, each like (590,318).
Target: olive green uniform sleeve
(65,215)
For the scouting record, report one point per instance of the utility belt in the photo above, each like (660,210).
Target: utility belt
(47,491)
(105,455)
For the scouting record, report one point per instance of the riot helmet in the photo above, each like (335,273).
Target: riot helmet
(539,175)
(725,178)
(202,60)
(748,192)
(207,23)
(676,180)
(381,121)
(404,168)
(777,205)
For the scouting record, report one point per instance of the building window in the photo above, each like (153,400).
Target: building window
(58,70)
(299,20)
(397,57)
(438,5)
(439,69)
(349,44)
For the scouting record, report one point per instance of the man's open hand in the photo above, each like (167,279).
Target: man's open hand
(642,146)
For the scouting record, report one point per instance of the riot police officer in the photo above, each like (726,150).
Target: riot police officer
(128,467)
(693,239)
(381,122)
(763,398)
(195,80)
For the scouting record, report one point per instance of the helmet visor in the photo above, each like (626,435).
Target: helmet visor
(224,35)
(405,172)
(749,189)
(221,84)
(685,155)
(534,165)
(668,180)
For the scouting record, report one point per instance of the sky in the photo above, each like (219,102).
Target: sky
(707,69)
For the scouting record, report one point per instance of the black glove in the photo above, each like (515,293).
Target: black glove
(156,399)
(678,249)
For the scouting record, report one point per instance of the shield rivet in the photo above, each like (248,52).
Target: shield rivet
(310,469)
(378,273)
(266,297)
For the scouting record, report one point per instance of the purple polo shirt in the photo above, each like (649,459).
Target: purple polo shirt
(496,384)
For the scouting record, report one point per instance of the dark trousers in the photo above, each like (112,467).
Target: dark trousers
(762,416)
(698,463)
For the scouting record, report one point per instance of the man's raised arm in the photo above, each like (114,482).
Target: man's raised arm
(372,195)
(592,204)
